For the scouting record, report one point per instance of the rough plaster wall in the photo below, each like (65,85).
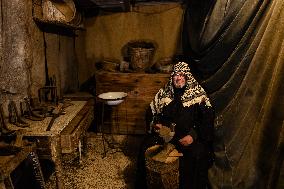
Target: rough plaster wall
(107,34)
(22,52)
(16,57)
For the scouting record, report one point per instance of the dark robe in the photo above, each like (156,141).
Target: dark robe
(196,120)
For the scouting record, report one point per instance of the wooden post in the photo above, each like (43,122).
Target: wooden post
(56,158)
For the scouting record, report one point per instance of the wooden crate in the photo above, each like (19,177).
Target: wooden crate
(141,89)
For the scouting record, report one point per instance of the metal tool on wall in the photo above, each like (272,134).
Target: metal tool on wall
(48,93)
(53,93)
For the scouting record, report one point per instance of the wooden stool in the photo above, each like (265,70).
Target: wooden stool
(164,175)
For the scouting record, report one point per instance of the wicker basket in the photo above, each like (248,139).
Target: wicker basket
(64,10)
(141,55)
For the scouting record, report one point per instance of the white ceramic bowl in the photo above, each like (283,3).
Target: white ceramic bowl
(114,102)
(113,98)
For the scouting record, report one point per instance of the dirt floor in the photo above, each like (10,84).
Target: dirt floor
(115,170)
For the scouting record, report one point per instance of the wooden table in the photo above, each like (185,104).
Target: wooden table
(65,136)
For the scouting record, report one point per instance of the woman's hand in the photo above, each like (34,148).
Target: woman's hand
(157,127)
(187,140)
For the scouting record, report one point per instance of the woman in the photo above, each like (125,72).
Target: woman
(184,103)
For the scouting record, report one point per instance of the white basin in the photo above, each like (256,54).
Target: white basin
(113,98)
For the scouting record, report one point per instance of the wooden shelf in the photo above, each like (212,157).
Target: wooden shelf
(57,24)
(52,25)
(108,5)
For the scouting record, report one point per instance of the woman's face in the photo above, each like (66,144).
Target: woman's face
(179,80)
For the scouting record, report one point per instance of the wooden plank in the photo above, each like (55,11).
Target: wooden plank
(76,129)
(70,141)
(76,121)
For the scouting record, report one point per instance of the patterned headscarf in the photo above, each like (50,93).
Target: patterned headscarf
(193,93)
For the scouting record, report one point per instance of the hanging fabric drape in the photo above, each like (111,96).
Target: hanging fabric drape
(236,48)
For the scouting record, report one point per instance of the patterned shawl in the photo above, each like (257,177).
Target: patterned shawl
(193,93)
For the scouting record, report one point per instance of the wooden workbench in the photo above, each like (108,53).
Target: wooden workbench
(65,136)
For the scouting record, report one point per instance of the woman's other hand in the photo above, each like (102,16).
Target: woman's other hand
(187,140)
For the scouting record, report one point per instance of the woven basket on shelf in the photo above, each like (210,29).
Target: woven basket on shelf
(59,10)
(141,55)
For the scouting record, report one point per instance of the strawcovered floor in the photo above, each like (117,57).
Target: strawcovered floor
(116,170)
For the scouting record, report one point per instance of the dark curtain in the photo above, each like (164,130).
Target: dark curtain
(236,50)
